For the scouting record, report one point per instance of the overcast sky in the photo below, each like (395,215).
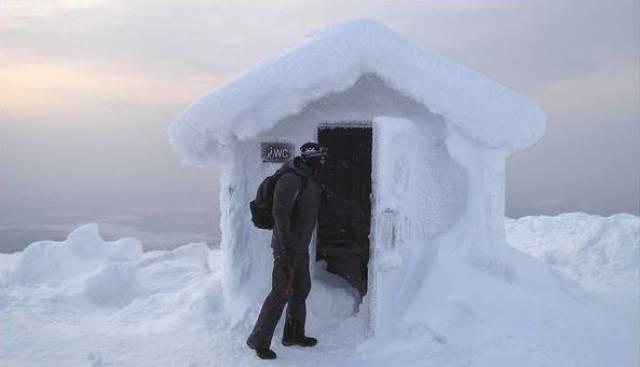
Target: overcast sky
(89,87)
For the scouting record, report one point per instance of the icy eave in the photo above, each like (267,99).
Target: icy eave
(332,60)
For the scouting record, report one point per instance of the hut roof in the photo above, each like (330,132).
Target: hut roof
(332,60)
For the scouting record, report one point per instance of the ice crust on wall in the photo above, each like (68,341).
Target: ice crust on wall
(419,193)
(332,60)
(433,283)
(371,103)
(422,191)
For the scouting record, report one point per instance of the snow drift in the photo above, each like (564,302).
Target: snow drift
(85,272)
(50,262)
(602,254)
(130,307)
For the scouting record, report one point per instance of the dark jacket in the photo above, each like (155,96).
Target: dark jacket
(295,211)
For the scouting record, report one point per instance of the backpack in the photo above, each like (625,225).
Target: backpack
(262,205)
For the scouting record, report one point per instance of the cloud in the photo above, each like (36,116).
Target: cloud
(589,158)
(49,91)
(150,34)
(524,44)
(609,94)
(528,44)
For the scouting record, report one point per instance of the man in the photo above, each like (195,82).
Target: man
(296,203)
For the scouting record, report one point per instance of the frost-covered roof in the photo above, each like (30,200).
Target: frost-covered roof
(332,60)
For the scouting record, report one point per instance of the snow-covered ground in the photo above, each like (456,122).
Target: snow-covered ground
(602,254)
(87,302)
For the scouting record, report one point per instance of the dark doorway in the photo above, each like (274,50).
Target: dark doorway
(344,222)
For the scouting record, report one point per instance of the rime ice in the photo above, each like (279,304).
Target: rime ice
(440,136)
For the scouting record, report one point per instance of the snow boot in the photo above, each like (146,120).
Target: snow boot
(303,341)
(293,334)
(261,352)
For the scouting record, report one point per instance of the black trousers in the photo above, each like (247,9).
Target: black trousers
(290,285)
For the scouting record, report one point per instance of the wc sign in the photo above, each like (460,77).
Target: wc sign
(276,152)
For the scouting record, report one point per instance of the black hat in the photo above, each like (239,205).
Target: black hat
(312,150)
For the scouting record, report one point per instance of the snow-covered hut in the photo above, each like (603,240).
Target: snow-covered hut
(418,139)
